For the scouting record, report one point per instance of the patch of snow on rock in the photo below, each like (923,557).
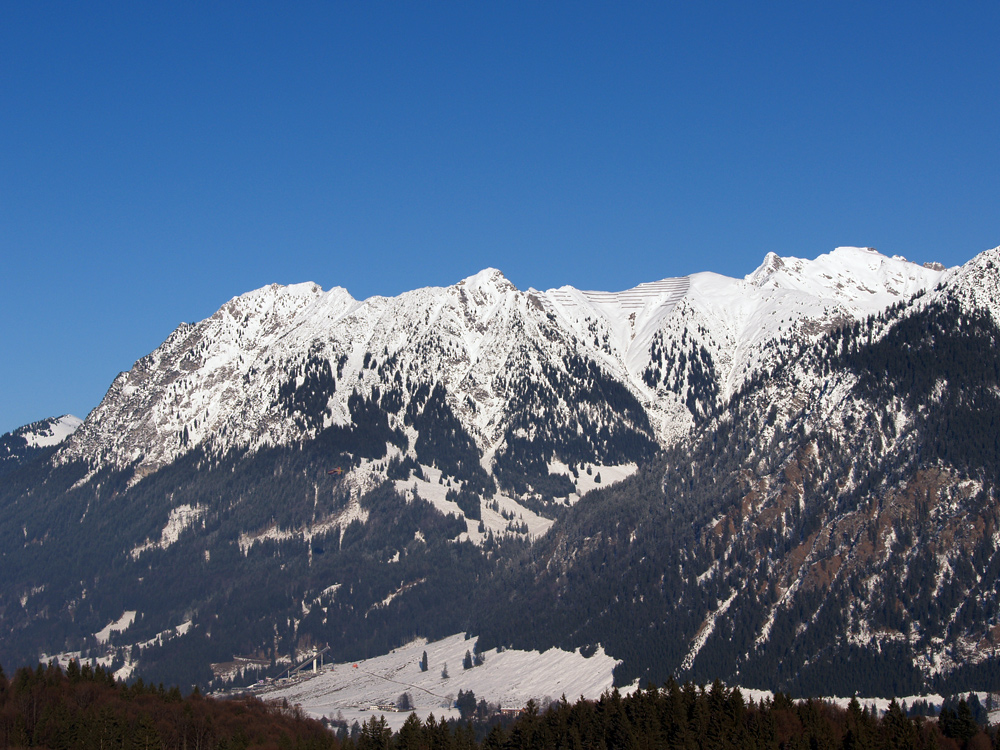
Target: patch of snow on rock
(52,431)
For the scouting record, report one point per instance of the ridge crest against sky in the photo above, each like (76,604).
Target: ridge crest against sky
(157,161)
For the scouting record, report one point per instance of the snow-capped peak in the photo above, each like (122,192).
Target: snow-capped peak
(48,432)
(847,274)
(488,277)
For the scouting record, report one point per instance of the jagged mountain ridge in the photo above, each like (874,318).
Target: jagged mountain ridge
(218,382)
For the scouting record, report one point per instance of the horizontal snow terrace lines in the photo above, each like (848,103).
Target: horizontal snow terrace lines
(667,291)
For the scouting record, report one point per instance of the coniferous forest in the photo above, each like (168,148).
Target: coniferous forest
(86,708)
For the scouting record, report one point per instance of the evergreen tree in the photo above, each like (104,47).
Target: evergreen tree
(466,703)
(375,735)
(410,735)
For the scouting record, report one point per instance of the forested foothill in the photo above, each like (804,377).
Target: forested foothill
(263,597)
(85,708)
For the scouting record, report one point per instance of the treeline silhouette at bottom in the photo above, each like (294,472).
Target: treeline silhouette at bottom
(87,708)
(688,717)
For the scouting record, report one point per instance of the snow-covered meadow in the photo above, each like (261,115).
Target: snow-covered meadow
(509,678)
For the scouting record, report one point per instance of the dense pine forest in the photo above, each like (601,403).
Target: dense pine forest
(86,708)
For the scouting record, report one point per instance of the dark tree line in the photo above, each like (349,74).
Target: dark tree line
(684,717)
(84,708)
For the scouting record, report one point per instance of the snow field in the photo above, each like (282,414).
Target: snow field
(121,624)
(49,432)
(509,678)
(431,490)
(586,482)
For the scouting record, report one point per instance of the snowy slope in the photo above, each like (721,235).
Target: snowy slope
(790,299)
(24,443)
(976,285)
(48,432)
(744,324)
(510,678)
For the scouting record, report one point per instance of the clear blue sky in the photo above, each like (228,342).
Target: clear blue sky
(157,159)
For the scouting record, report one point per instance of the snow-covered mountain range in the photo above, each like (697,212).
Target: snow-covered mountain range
(770,435)
(218,382)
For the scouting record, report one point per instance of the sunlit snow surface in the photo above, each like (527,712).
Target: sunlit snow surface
(180,518)
(121,624)
(431,489)
(49,432)
(509,678)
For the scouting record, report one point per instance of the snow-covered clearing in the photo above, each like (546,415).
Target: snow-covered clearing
(595,476)
(121,624)
(180,518)
(509,678)
(433,491)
